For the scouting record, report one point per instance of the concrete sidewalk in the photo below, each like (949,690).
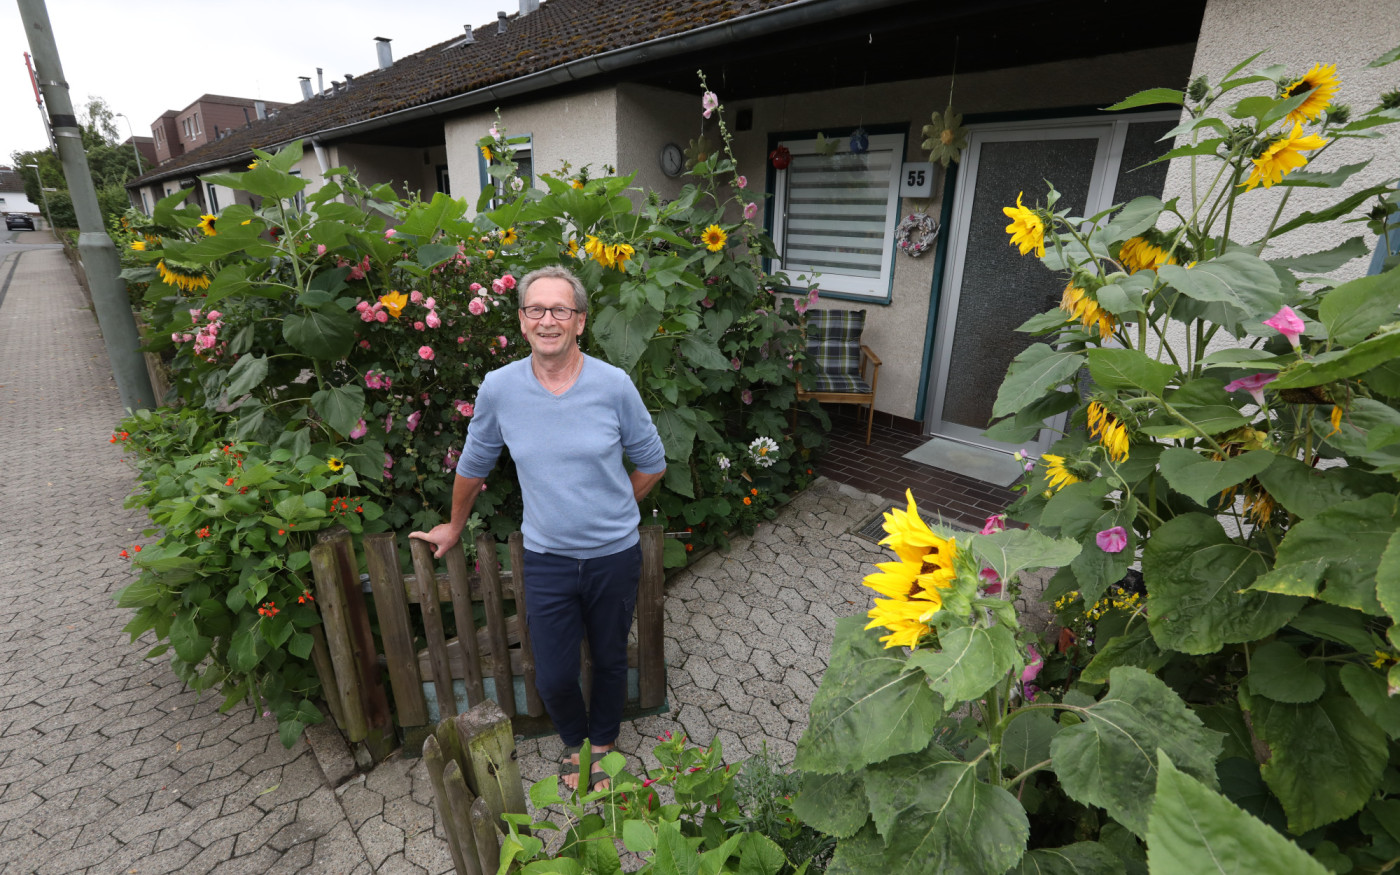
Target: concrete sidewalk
(108,765)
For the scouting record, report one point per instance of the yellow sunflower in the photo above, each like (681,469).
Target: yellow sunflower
(619,253)
(577,183)
(138,245)
(186,279)
(598,251)
(1056,474)
(912,539)
(394,302)
(1138,254)
(334,464)
(206,224)
(1077,303)
(1026,229)
(508,236)
(486,153)
(1111,433)
(1323,83)
(253,165)
(1336,419)
(902,618)
(573,249)
(1282,157)
(714,238)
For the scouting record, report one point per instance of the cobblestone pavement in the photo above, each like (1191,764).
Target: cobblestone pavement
(109,765)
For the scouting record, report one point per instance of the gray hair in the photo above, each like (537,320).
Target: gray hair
(554,271)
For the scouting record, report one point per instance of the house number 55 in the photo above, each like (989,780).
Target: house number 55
(916,179)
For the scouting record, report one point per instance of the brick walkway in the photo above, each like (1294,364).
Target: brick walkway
(108,765)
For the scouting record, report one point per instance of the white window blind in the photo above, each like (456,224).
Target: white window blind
(836,214)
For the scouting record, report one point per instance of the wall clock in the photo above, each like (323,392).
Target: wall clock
(672,159)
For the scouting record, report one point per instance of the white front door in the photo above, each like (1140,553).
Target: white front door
(989,288)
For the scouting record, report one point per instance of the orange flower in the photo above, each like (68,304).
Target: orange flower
(748,500)
(204,532)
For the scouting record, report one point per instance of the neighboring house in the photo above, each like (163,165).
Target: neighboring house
(206,120)
(12,197)
(615,83)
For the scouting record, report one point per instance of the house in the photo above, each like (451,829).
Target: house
(12,196)
(616,84)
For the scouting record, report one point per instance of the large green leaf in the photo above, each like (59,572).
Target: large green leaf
(1338,364)
(325,334)
(1278,671)
(1110,759)
(246,375)
(1335,211)
(1325,757)
(700,351)
(1367,433)
(1034,372)
(868,709)
(1195,573)
(1322,179)
(1194,829)
(677,433)
(1011,551)
(624,340)
(1029,420)
(1334,556)
(340,406)
(1129,369)
(1238,279)
(1205,403)
(1305,491)
(1150,97)
(1200,478)
(935,815)
(1354,310)
(1026,741)
(970,661)
(185,637)
(1081,858)
(1135,647)
(1135,217)
(834,804)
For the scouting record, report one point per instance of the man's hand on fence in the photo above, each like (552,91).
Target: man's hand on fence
(443,536)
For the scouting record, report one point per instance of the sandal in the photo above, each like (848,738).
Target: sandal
(596,776)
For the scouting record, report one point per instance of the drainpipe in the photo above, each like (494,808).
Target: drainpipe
(321,157)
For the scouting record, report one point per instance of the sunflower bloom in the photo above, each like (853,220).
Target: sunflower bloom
(1336,419)
(912,539)
(619,253)
(486,153)
(1056,474)
(573,249)
(334,464)
(577,183)
(1026,229)
(1281,157)
(1077,303)
(901,618)
(1323,83)
(508,236)
(1138,254)
(714,238)
(598,251)
(912,584)
(186,279)
(1259,506)
(206,224)
(1111,433)
(138,245)
(394,302)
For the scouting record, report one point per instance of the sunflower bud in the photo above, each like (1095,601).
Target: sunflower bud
(1391,99)
(1198,89)
(1338,114)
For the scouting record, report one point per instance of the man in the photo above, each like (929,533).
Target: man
(568,419)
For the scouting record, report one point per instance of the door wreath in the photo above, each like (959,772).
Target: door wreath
(916,234)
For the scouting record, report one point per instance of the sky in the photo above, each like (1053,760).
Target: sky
(146,57)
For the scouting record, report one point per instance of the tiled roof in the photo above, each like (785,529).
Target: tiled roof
(559,32)
(10,180)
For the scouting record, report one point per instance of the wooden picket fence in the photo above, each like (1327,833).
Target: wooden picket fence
(352,667)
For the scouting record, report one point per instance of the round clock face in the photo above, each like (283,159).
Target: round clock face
(672,159)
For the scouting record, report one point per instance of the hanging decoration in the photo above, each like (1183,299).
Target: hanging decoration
(860,141)
(699,151)
(826,148)
(780,157)
(946,135)
(916,233)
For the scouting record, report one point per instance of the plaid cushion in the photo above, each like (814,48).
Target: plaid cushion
(839,383)
(833,343)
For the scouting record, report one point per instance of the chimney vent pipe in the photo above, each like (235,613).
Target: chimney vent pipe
(260,108)
(386,53)
(320,83)
(469,38)
(500,23)
(305,87)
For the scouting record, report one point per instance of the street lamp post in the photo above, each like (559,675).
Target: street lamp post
(132,134)
(43,193)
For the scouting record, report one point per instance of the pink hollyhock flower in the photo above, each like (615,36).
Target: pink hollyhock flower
(359,431)
(476,307)
(750,210)
(175,338)
(495,134)
(812,295)
(449,461)
(364,344)
(1032,669)
(734,362)
(995,523)
(426,353)
(320,249)
(501,339)
(1112,540)
(415,296)
(419,326)
(706,302)
(413,419)
(746,396)
(993,581)
(214,315)
(433,319)
(465,408)
(1287,323)
(389,234)
(743,182)
(800,305)
(388,467)
(381,316)
(1253,384)
(710,102)
(389,422)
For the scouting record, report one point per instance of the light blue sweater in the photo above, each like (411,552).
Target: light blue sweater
(568,453)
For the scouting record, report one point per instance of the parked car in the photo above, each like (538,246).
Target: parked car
(15,221)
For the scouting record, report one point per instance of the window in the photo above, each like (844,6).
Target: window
(444,181)
(835,215)
(213,198)
(524,163)
(197,128)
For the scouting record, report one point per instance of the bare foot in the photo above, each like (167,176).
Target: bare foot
(571,780)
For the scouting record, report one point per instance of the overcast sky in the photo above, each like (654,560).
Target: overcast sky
(145,57)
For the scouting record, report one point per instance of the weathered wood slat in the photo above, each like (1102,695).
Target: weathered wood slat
(533,705)
(432,627)
(489,742)
(468,668)
(651,635)
(462,803)
(444,584)
(488,847)
(373,695)
(325,670)
(382,557)
(459,662)
(496,622)
(332,605)
(433,760)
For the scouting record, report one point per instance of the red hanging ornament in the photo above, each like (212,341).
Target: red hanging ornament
(780,157)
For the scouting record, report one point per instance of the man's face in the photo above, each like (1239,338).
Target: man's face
(549,337)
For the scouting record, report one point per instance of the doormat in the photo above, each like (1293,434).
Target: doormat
(979,463)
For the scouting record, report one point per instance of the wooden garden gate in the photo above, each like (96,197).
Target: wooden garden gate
(492,660)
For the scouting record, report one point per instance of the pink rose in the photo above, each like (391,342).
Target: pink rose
(465,409)
(508,281)
(187,338)
(362,306)
(364,344)
(476,307)
(1112,540)
(415,296)
(381,316)
(194,315)
(426,353)
(498,286)
(430,303)
(419,326)
(476,287)
(214,314)
(501,339)
(1287,323)
(433,320)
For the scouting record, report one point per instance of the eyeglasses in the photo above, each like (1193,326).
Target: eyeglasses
(560,313)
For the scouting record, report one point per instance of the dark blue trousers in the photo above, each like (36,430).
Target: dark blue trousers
(566,599)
